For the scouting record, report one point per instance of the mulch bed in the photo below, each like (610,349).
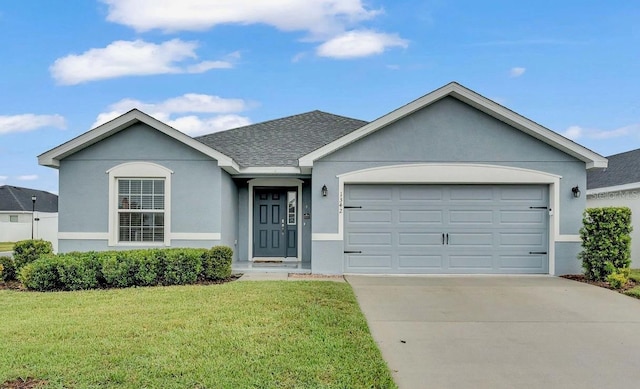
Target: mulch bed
(603,284)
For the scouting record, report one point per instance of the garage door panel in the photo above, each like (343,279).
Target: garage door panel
(420,262)
(420,192)
(521,217)
(532,262)
(368,192)
(380,262)
(369,216)
(446,229)
(421,216)
(470,217)
(419,239)
(523,239)
(370,239)
(470,239)
(471,262)
(471,194)
(523,193)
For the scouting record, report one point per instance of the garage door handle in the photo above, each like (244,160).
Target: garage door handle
(537,252)
(353,252)
(447,238)
(352,206)
(443,238)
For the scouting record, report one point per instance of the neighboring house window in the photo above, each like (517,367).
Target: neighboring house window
(141,210)
(13,218)
(139,204)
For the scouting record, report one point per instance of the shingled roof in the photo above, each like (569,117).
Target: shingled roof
(281,142)
(624,168)
(17,199)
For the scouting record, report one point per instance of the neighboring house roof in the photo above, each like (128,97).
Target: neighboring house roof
(17,199)
(457,91)
(622,173)
(281,142)
(52,157)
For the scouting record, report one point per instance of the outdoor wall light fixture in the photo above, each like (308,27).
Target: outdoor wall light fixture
(324,191)
(576,191)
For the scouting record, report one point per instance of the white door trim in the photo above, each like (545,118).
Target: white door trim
(275,182)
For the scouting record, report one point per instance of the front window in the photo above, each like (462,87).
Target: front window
(141,210)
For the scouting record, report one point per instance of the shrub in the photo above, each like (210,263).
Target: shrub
(605,238)
(58,272)
(8,269)
(216,263)
(27,251)
(182,266)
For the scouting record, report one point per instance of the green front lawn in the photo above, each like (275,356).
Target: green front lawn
(6,246)
(234,335)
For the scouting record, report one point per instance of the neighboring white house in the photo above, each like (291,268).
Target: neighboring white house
(616,186)
(21,217)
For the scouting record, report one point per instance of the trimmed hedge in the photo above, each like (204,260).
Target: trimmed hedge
(606,241)
(121,269)
(8,272)
(27,251)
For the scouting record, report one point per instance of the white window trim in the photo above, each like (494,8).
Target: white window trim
(138,170)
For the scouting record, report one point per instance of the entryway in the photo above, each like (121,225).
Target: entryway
(275,223)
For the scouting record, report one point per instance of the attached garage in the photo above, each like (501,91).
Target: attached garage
(479,229)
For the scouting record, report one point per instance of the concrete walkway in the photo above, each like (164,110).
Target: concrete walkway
(284,276)
(502,332)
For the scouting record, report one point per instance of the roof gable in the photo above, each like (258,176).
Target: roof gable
(18,199)
(475,100)
(281,142)
(52,157)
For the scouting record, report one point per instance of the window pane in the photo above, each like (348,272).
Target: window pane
(136,186)
(135,196)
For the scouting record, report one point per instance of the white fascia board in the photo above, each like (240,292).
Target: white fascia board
(591,159)
(270,170)
(615,188)
(52,157)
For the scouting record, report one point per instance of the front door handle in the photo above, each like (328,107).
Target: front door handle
(282,227)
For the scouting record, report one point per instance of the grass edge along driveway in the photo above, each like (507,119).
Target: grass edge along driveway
(238,335)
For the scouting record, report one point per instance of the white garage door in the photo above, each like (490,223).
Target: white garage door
(406,229)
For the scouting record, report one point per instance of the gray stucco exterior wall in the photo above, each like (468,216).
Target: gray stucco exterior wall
(229,212)
(447,131)
(196,187)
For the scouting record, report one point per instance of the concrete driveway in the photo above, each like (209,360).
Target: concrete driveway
(502,331)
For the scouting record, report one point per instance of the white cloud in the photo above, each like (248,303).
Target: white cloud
(577,132)
(129,58)
(29,122)
(359,43)
(28,177)
(318,17)
(517,72)
(573,132)
(192,103)
(3,178)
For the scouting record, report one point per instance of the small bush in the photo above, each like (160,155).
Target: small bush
(73,271)
(8,269)
(58,272)
(27,251)
(216,263)
(605,238)
(183,266)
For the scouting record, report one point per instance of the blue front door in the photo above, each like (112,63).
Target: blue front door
(274,230)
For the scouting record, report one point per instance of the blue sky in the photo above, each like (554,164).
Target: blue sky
(207,65)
